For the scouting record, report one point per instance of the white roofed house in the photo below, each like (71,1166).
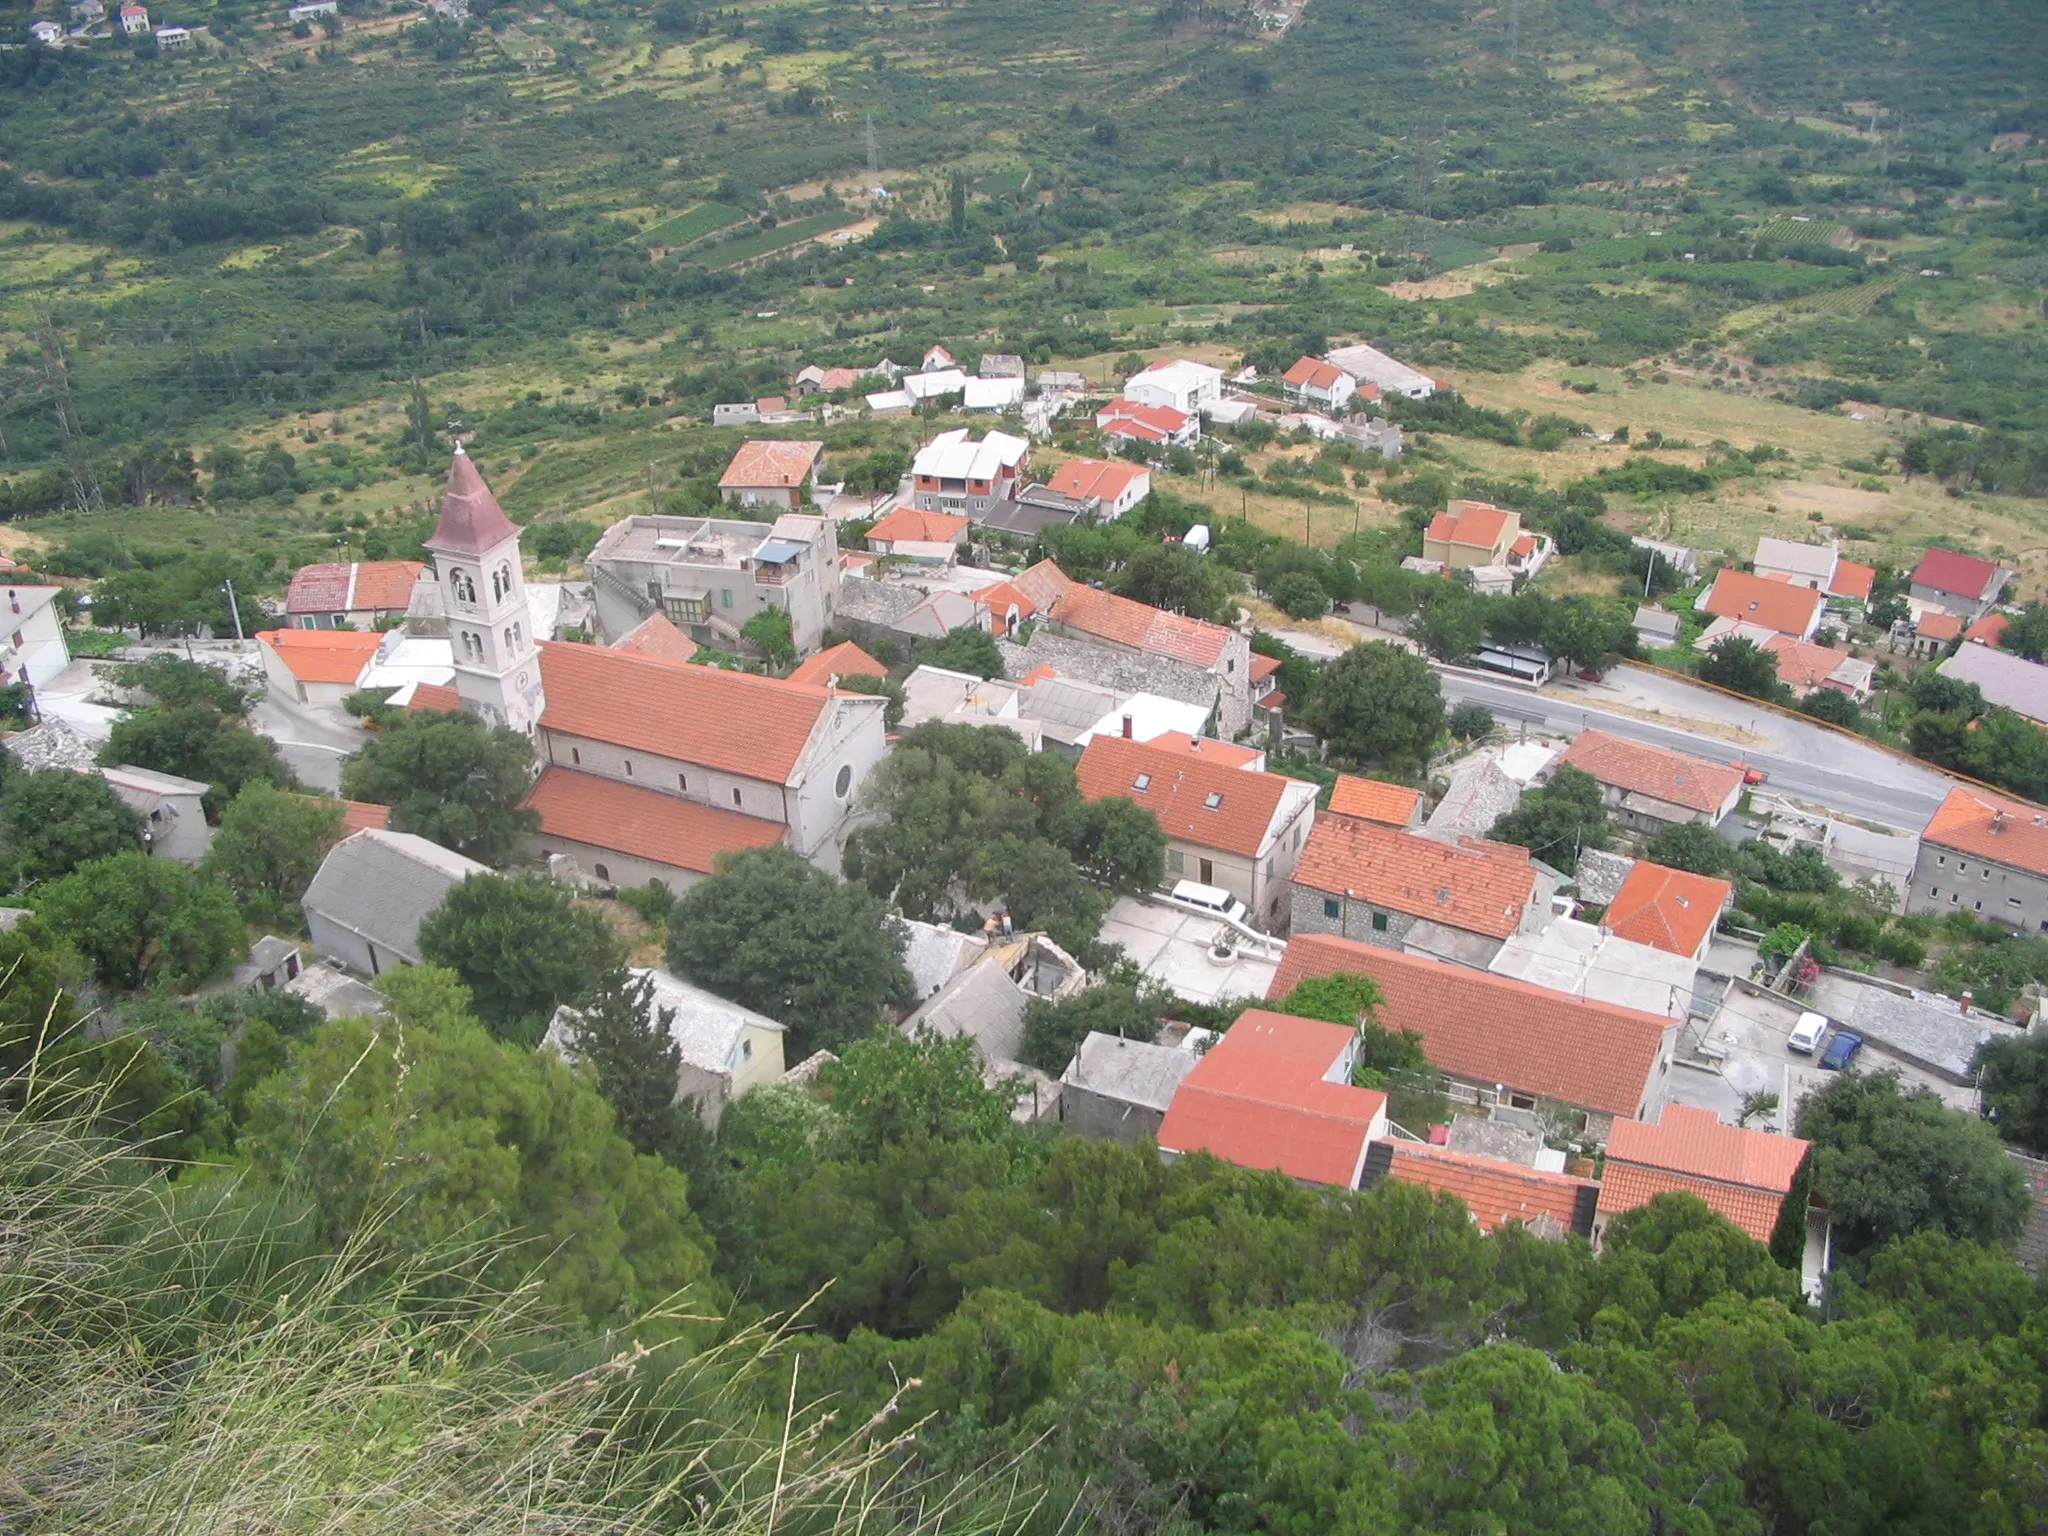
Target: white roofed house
(1369,365)
(32,645)
(954,473)
(48,33)
(174,821)
(1176,384)
(725,1049)
(1803,565)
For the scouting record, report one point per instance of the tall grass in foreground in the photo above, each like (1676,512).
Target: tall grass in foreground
(186,1359)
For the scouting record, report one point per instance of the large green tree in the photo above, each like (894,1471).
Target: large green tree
(1178,579)
(139,920)
(1127,1009)
(522,946)
(452,779)
(2013,1076)
(1889,1161)
(1378,703)
(1741,665)
(426,1129)
(55,820)
(627,1042)
(1560,820)
(1693,846)
(778,935)
(269,847)
(196,740)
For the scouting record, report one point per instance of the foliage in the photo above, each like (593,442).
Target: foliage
(2013,1077)
(171,681)
(1378,704)
(452,779)
(269,847)
(522,946)
(55,820)
(773,933)
(1299,595)
(1560,820)
(624,1038)
(1178,579)
(769,631)
(1053,1032)
(435,1130)
(890,1087)
(139,920)
(195,740)
(1694,846)
(1890,1160)
(1470,721)
(1741,665)
(966,649)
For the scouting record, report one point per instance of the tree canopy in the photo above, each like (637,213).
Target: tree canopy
(269,847)
(1378,703)
(1560,820)
(522,945)
(451,779)
(139,920)
(54,820)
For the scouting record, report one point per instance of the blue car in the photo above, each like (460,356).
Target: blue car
(1841,1050)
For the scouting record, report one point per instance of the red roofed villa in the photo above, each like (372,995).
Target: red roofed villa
(1467,534)
(1668,909)
(1275,1092)
(1311,381)
(359,595)
(1962,585)
(1781,605)
(1147,423)
(1392,805)
(770,472)
(842,660)
(1114,483)
(1361,879)
(1984,854)
(1497,1193)
(1650,788)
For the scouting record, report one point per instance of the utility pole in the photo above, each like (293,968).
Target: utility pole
(85,484)
(1514,29)
(235,612)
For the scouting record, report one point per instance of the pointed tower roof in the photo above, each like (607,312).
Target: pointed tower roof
(471,520)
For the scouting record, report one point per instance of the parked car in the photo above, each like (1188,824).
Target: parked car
(1806,1034)
(1208,898)
(1841,1050)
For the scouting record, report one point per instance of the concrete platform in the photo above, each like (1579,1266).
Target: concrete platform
(1172,947)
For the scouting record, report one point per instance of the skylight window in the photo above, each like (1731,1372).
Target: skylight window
(1143,781)
(1214,801)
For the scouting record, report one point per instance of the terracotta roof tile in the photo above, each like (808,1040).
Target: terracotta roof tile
(1001,598)
(318,589)
(1470,523)
(1992,827)
(1481,891)
(583,808)
(1263,667)
(436,698)
(1140,626)
(1959,575)
(1484,1028)
(1158,421)
(1259,1098)
(362,815)
(1497,1192)
(471,521)
(1773,604)
(1668,909)
(657,638)
(1227,754)
(322,655)
(1104,478)
(1312,373)
(1177,788)
(1801,663)
(1654,771)
(1374,800)
(386,584)
(736,722)
(1743,1174)
(1044,583)
(1852,580)
(842,660)
(777,463)
(1935,625)
(910,525)
(1990,629)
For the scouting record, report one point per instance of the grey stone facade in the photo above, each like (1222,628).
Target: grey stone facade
(1352,919)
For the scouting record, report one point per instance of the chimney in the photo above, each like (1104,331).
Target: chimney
(1127,727)
(1998,821)
(1966,1002)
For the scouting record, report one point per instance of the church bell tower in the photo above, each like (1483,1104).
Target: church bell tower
(475,548)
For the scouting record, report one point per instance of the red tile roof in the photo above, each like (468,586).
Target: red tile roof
(1498,1193)
(387,584)
(1104,478)
(436,698)
(322,655)
(1259,1098)
(1153,422)
(1654,771)
(1177,788)
(1960,575)
(843,660)
(1227,754)
(1470,523)
(1852,580)
(1990,629)
(1481,891)
(319,588)
(471,521)
(1524,546)
(1801,663)
(1992,827)
(1933,624)
(1001,598)
(909,525)
(363,816)
(1742,1174)
(1140,626)
(771,462)
(603,813)
(1313,373)
(1775,605)
(1487,1029)
(1374,800)
(1669,909)
(1263,667)
(736,722)
(1044,583)
(656,637)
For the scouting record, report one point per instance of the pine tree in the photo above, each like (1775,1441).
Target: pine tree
(626,1040)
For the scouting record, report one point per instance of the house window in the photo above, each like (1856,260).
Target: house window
(1521,1101)
(1934,890)
(1332,907)
(843,781)
(746,1050)
(1379,922)
(1213,800)
(735,797)
(1176,862)
(602,872)
(629,767)
(1142,781)
(682,781)
(1984,874)
(725,597)
(575,755)
(2012,901)
(1942,860)
(335,619)
(1978,905)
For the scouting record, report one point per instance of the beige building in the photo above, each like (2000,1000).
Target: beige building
(709,575)
(1467,534)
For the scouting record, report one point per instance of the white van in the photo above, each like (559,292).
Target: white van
(1208,898)
(1806,1034)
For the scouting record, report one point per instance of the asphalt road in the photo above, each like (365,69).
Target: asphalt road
(1810,762)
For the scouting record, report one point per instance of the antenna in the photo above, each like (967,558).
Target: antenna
(874,161)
